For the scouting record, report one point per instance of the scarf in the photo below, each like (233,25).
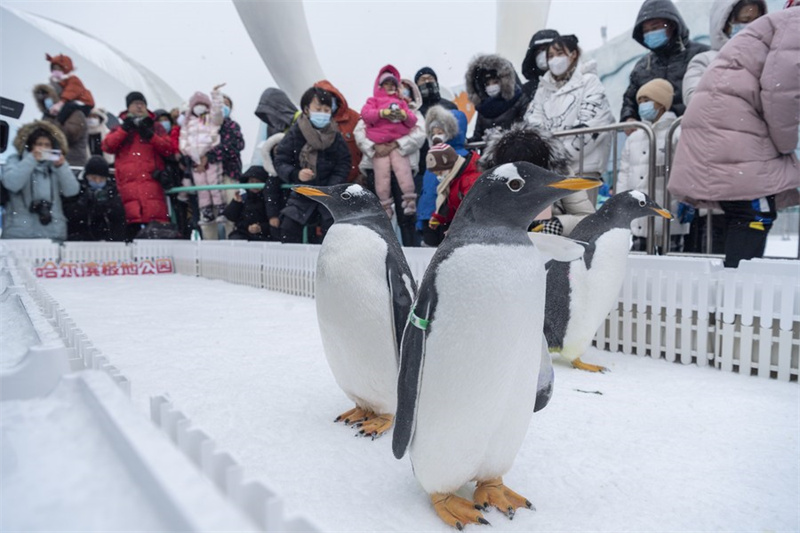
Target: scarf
(316,141)
(495,106)
(443,189)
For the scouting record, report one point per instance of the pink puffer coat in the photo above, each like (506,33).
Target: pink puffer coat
(741,128)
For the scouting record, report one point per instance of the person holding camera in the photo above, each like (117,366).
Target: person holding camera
(36,177)
(140,145)
(96,213)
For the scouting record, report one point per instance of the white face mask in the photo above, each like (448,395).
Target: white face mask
(493,90)
(199,110)
(541,60)
(558,65)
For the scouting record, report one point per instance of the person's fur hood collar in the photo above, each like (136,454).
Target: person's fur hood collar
(442,117)
(476,91)
(523,133)
(266,148)
(24,133)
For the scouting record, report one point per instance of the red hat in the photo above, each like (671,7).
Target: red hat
(62,61)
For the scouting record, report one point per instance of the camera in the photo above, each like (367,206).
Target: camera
(43,209)
(51,155)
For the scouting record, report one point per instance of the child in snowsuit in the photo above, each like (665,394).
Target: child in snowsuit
(387,118)
(72,93)
(198,135)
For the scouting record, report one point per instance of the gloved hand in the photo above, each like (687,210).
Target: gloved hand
(686,213)
(146,128)
(604,190)
(386,113)
(129,124)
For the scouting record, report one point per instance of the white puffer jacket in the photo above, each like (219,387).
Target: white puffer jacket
(633,166)
(200,134)
(581,101)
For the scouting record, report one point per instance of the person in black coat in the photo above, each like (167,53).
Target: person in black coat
(96,213)
(495,91)
(248,211)
(661,29)
(312,153)
(534,65)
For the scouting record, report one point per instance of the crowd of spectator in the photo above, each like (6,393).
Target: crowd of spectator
(408,144)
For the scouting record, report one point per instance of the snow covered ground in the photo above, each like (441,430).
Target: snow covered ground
(649,446)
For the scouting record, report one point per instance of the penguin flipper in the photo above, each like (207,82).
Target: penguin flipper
(557,247)
(401,290)
(412,359)
(544,386)
(556,304)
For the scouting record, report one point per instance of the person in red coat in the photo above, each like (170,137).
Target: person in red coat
(139,146)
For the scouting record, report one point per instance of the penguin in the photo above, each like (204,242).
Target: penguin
(580,294)
(364,290)
(472,351)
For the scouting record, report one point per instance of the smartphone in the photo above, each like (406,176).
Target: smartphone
(51,155)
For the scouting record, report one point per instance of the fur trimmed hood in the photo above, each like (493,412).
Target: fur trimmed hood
(483,64)
(521,135)
(266,148)
(416,102)
(24,133)
(443,118)
(42,91)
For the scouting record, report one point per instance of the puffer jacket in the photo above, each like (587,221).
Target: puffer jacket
(500,111)
(720,12)
(346,119)
(408,145)
(72,87)
(379,129)
(275,196)
(580,102)
(29,181)
(251,210)
(95,215)
(228,151)
(136,160)
(633,168)
(200,134)
(668,62)
(333,166)
(74,128)
(739,135)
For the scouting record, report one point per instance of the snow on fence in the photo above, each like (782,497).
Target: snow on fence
(684,309)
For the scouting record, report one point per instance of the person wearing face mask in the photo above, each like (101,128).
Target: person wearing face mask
(73,94)
(728,17)
(96,124)
(534,65)
(570,96)
(36,179)
(660,28)
(495,91)
(739,135)
(74,127)
(654,100)
(387,118)
(346,120)
(228,153)
(428,84)
(199,134)
(312,152)
(96,213)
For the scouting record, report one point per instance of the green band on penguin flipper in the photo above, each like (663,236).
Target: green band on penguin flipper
(418,322)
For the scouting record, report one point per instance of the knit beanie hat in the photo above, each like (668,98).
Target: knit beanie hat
(441,157)
(659,91)
(134,96)
(423,71)
(96,165)
(255,172)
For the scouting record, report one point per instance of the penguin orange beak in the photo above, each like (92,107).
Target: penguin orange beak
(309,191)
(663,212)
(577,184)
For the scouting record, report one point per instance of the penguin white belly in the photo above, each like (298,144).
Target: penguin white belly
(354,311)
(594,292)
(482,358)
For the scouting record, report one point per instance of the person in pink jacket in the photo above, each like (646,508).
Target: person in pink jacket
(387,118)
(198,135)
(740,131)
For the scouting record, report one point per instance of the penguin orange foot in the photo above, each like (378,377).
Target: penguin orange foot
(580,365)
(376,426)
(493,493)
(456,511)
(354,415)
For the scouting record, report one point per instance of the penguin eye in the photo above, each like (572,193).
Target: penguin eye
(642,203)
(515,184)
(346,196)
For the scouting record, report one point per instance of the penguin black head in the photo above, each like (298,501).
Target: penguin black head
(514,193)
(623,208)
(348,201)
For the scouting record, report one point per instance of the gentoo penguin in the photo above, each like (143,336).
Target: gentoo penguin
(580,294)
(473,347)
(364,290)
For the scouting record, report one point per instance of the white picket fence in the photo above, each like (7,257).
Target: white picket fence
(684,309)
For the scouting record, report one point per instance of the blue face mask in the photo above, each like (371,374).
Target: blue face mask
(166,124)
(736,28)
(226,111)
(648,111)
(656,38)
(48,103)
(97,186)
(319,120)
